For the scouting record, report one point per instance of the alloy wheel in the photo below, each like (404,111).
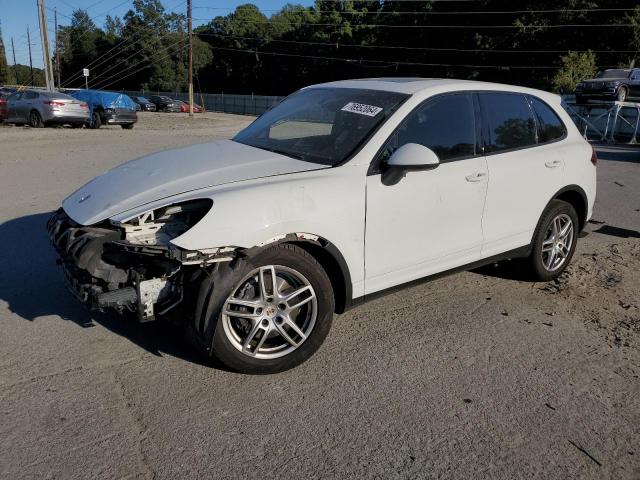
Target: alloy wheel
(270,313)
(558,241)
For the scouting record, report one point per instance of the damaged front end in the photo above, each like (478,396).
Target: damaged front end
(132,266)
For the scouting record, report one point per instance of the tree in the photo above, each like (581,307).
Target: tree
(4,69)
(576,66)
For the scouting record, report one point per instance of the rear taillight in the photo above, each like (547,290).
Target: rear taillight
(51,103)
(84,105)
(594,156)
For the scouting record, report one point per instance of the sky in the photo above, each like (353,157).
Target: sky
(16,15)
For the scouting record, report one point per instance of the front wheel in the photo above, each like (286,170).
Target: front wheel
(622,94)
(554,241)
(276,314)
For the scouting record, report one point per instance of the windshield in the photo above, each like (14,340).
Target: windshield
(321,125)
(613,74)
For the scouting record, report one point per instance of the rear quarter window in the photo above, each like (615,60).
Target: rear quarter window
(550,127)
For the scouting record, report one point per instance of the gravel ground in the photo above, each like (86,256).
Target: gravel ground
(476,375)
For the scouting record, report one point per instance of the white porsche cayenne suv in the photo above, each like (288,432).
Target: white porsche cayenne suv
(341,191)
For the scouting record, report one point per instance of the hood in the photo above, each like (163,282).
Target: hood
(172,172)
(604,80)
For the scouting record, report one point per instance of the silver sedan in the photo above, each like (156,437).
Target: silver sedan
(38,108)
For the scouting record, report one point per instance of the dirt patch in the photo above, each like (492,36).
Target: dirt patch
(601,286)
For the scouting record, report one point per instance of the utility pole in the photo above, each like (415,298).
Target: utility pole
(15,70)
(44,37)
(30,59)
(189,19)
(55,22)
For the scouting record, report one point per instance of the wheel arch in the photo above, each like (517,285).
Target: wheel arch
(334,264)
(577,198)
(328,256)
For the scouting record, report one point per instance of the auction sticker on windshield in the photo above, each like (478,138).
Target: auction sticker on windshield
(362,109)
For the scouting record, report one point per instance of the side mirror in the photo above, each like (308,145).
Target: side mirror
(409,157)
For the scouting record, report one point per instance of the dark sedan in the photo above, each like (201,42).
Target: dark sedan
(618,84)
(165,104)
(144,104)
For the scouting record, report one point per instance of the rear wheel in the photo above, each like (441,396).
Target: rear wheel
(35,119)
(96,120)
(276,313)
(554,241)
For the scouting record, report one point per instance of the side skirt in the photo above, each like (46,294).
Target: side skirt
(521,252)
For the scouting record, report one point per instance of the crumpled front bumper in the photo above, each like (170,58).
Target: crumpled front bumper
(100,272)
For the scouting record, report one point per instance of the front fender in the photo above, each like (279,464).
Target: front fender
(328,203)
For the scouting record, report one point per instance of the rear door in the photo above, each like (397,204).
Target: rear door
(26,104)
(12,107)
(525,166)
(634,83)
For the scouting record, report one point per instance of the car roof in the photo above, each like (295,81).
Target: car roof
(413,85)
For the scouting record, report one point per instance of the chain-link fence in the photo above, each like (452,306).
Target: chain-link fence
(221,102)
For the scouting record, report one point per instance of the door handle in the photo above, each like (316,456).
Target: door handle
(476,177)
(553,163)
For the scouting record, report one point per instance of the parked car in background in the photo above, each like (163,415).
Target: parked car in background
(144,104)
(255,242)
(184,107)
(108,108)
(3,106)
(165,104)
(39,108)
(614,84)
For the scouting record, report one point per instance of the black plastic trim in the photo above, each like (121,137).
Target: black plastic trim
(521,252)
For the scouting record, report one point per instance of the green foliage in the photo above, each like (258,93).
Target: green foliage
(575,67)
(21,75)
(248,51)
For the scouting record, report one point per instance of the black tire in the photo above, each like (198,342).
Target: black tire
(35,119)
(538,270)
(96,120)
(127,126)
(227,279)
(622,94)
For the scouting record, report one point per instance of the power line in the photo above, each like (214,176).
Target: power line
(391,62)
(472,12)
(398,47)
(384,25)
(130,41)
(146,59)
(138,70)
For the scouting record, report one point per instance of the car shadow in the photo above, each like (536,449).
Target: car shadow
(618,232)
(515,269)
(32,285)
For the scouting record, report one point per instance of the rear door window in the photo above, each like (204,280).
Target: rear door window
(550,127)
(510,123)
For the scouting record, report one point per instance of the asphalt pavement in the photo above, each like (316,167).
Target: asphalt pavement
(476,375)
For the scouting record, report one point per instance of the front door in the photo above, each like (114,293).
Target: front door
(430,221)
